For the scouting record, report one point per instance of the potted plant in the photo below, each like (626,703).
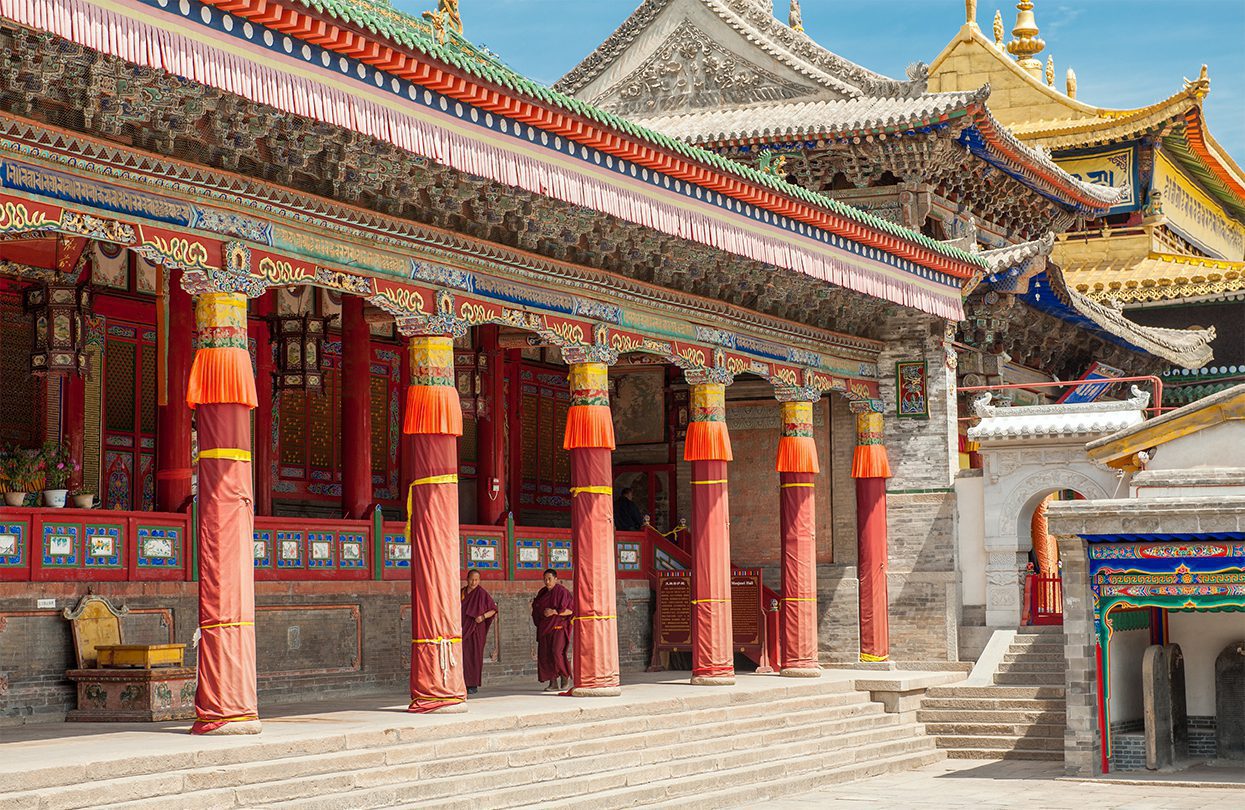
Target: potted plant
(17,472)
(83,499)
(57,467)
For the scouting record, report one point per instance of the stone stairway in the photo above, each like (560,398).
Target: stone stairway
(1018,714)
(702,748)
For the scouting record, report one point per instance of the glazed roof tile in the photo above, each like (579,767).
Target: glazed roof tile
(1081,421)
(1154,277)
(381,19)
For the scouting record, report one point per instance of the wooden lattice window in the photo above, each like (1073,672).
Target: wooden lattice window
(22,396)
(129,369)
(544,484)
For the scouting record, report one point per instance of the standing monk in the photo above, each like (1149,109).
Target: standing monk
(551,613)
(478,612)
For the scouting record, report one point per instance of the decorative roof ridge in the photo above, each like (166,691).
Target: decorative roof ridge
(1196,136)
(1174,106)
(1227,405)
(1001,258)
(794,48)
(516,85)
(1138,401)
(1200,261)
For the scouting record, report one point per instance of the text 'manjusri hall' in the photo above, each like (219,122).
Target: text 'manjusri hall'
(329,305)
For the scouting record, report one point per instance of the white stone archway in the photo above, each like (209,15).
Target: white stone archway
(1029,452)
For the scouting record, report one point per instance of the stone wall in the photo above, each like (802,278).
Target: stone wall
(1082,753)
(314,639)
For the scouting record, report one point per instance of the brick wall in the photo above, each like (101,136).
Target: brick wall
(313,638)
(1082,738)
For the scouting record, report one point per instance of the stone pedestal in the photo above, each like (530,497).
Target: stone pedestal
(133,695)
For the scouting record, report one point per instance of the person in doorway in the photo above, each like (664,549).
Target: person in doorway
(478,612)
(627,516)
(551,613)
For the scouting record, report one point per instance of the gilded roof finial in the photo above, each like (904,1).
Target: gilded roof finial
(796,19)
(998,28)
(1050,69)
(445,17)
(1201,85)
(970,11)
(1071,83)
(1025,44)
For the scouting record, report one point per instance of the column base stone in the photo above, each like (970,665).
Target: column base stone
(233,729)
(713,680)
(800,672)
(596,691)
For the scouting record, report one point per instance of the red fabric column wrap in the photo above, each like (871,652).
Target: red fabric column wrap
(590,440)
(712,651)
(797,502)
(222,389)
(871,468)
(433,412)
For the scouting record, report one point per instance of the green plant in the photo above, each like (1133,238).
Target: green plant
(57,465)
(19,469)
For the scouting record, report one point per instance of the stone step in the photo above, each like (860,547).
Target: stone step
(970,728)
(457,755)
(568,719)
(998,691)
(680,787)
(1037,643)
(1040,630)
(1029,678)
(729,794)
(565,778)
(1032,666)
(991,753)
(1034,657)
(961,715)
(1001,743)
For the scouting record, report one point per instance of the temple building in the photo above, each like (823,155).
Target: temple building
(729,76)
(1170,251)
(323,305)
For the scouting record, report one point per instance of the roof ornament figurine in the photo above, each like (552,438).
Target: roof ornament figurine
(796,19)
(998,28)
(1199,86)
(445,18)
(1071,83)
(1025,44)
(1050,70)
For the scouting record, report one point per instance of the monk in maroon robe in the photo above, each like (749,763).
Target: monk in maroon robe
(478,612)
(551,613)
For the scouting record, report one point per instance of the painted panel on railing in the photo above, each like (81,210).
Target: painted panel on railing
(13,544)
(262,548)
(397,551)
(482,553)
(627,556)
(159,547)
(351,555)
(61,545)
(103,546)
(289,548)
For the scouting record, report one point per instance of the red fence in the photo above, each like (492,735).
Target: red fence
(97,545)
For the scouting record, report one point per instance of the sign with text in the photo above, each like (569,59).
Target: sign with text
(1092,390)
(1195,216)
(1116,169)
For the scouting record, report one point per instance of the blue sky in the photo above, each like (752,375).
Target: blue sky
(1126,53)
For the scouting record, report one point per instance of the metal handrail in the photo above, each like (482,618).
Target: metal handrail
(1156,383)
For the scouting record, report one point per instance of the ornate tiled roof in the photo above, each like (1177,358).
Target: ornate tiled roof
(1082,420)
(814,119)
(1154,277)
(1010,268)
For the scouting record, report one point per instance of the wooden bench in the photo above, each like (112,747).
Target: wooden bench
(125,682)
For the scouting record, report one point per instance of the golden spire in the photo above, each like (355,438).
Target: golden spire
(1071,83)
(970,11)
(1050,69)
(998,28)
(1025,44)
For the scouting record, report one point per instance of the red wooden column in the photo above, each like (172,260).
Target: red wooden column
(222,390)
(871,468)
(491,480)
(590,440)
(708,448)
(264,307)
(173,417)
(73,424)
(434,420)
(356,405)
(797,470)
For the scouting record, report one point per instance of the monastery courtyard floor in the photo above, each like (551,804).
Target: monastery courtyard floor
(1013,784)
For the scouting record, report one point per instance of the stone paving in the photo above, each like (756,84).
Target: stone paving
(1008,784)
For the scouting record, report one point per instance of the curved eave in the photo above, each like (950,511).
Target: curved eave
(1194,148)
(501,91)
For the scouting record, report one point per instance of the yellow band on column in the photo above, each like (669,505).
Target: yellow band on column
(592,491)
(450,478)
(227,453)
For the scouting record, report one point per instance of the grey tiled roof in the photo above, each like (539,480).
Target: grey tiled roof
(811,119)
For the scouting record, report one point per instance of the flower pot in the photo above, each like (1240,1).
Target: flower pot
(14,498)
(83,501)
(55,498)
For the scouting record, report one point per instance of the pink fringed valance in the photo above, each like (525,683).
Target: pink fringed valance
(253,76)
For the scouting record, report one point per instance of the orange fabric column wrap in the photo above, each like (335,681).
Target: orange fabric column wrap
(712,631)
(432,528)
(871,468)
(222,389)
(707,437)
(1044,547)
(797,468)
(590,440)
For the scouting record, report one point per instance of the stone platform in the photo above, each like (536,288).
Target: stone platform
(663,741)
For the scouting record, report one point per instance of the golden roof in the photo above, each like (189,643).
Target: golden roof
(1126,270)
